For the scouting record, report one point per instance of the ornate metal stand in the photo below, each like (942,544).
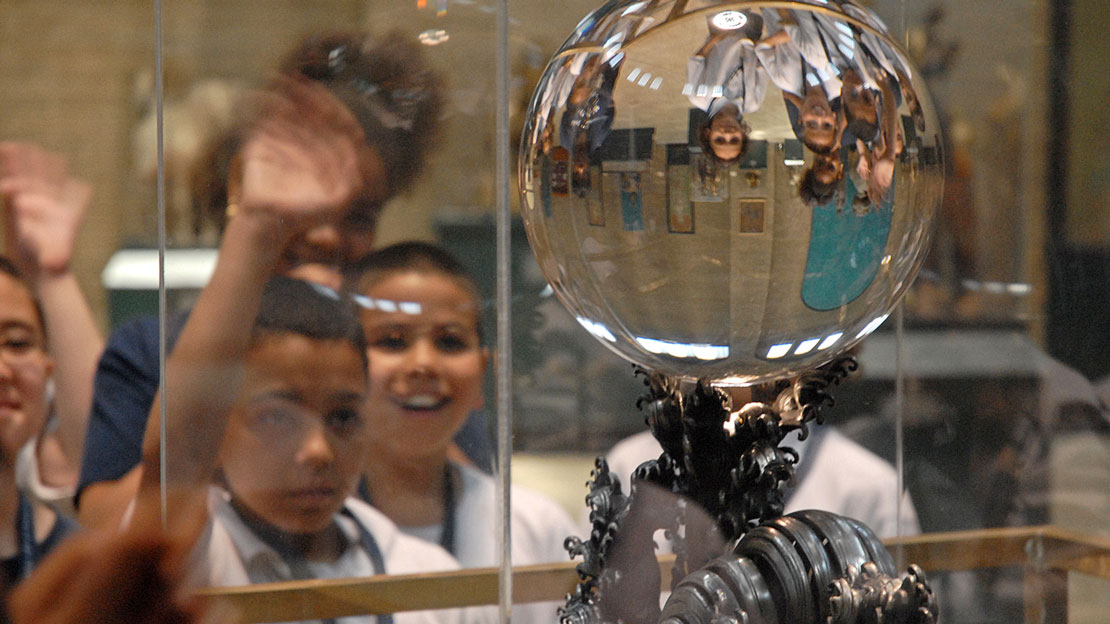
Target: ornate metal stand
(719,487)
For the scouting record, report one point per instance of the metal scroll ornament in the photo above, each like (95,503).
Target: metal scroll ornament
(731,194)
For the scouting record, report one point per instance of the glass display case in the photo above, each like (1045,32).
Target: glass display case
(978,419)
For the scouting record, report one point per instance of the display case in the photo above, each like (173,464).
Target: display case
(984,396)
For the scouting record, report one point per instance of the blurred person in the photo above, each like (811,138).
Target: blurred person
(264,387)
(43,209)
(370,104)
(29,528)
(420,312)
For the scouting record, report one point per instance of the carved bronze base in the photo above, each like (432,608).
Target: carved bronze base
(719,486)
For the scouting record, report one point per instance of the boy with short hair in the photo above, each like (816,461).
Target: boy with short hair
(293,448)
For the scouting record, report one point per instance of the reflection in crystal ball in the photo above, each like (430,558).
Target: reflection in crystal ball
(731,191)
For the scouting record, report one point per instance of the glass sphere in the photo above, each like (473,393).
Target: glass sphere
(730,191)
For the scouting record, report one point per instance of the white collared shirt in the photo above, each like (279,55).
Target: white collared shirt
(229,553)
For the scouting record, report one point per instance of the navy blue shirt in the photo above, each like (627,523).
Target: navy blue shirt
(124,388)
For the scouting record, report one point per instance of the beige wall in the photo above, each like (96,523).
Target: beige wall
(66,70)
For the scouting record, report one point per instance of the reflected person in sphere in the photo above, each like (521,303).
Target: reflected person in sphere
(821,181)
(370,104)
(588,117)
(725,79)
(872,120)
(814,116)
(420,312)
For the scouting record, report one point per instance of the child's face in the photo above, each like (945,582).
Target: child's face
(24,369)
(828,169)
(819,124)
(296,440)
(426,365)
(322,252)
(726,134)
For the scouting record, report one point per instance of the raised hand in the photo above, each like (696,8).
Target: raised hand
(43,208)
(129,577)
(304,157)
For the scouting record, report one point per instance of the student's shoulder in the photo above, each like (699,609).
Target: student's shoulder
(534,507)
(402,553)
(538,520)
(629,453)
(477,483)
(838,452)
(642,444)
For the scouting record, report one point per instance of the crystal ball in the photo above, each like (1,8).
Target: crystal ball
(730,191)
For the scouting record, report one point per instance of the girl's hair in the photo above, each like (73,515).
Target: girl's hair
(292,306)
(861,129)
(415,256)
(7,267)
(813,191)
(387,85)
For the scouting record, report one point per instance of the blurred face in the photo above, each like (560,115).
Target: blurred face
(322,253)
(827,169)
(24,369)
(818,121)
(726,134)
(426,367)
(296,441)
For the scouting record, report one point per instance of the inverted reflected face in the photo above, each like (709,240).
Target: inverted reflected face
(426,362)
(296,439)
(819,123)
(24,369)
(828,170)
(726,136)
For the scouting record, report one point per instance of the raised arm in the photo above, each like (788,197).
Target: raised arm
(43,210)
(301,164)
(882,167)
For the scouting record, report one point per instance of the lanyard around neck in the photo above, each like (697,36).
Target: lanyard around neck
(272,537)
(447,535)
(25,527)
